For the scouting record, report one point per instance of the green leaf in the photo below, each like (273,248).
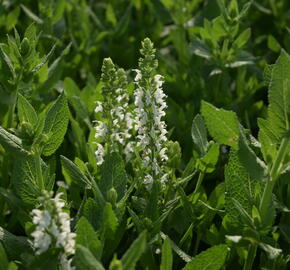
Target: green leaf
(78,138)
(242,38)
(87,237)
(132,255)
(279,96)
(25,181)
(268,140)
(46,260)
(113,175)
(44,60)
(109,221)
(12,143)
(166,257)
(199,135)
(273,44)
(268,74)
(84,259)
(26,112)
(239,187)
(176,249)
(31,15)
(151,210)
(222,124)
(211,259)
(70,87)
(73,172)
(93,213)
(54,72)
(14,245)
(253,165)
(81,110)
(55,125)
(3,258)
(208,162)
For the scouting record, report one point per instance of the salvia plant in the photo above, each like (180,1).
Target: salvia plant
(178,160)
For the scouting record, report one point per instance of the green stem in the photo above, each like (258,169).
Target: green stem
(199,181)
(275,170)
(38,169)
(12,109)
(250,257)
(274,175)
(197,242)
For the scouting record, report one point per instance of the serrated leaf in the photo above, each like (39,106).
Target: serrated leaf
(109,221)
(253,165)
(279,96)
(74,172)
(93,213)
(268,74)
(239,187)
(166,255)
(113,175)
(199,135)
(14,245)
(84,259)
(222,124)
(25,180)
(87,237)
(26,112)
(70,87)
(211,259)
(12,143)
(268,140)
(44,60)
(208,162)
(55,125)
(133,254)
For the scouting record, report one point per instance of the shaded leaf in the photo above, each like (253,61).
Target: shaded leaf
(55,125)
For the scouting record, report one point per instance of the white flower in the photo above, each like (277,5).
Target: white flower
(66,263)
(99,107)
(138,76)
(158,81)
(52,226)
(129,150)
(148,180)
(163,155)
(152,131)
(100,153)
(42,241)
(101,129)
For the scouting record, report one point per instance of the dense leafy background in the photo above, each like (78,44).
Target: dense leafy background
(206,51)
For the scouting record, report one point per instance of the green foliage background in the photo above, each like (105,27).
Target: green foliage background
(214,50)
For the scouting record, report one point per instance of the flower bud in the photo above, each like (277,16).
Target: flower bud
(112,196)
(24,47)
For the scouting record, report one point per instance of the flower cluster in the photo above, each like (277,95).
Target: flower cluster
(113,132)
(150,105)
(53,229)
